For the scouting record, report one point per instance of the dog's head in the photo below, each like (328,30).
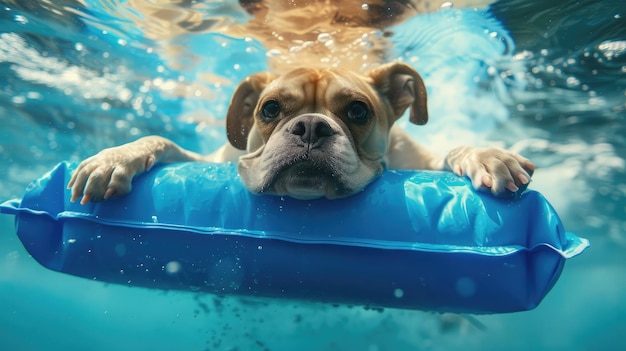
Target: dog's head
(320,133)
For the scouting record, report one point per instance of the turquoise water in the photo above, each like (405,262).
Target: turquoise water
(546,78)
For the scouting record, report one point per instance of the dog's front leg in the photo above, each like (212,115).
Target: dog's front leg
(490,168)
(110,172)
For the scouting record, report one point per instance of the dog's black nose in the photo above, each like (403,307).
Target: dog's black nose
(311,129)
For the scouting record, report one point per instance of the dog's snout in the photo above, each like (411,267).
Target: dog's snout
(311,129)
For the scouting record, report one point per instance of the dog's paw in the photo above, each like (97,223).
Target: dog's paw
(108,173)
(494,169)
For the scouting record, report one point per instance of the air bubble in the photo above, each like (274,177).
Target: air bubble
(398,293)
(323,37)
(21,19)
(273,53)
(18,99)
(173,267)
(572,81)
(34,95)
(446,5)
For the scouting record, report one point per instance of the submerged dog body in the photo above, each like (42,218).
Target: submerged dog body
(312,133)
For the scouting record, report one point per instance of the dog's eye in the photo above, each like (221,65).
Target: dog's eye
(358,112)
(270,110)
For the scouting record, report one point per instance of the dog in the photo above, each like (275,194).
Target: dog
(312,133)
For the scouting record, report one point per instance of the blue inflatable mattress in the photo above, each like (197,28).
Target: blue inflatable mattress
(416,240)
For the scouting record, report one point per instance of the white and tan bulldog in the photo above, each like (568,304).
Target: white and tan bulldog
(312,133)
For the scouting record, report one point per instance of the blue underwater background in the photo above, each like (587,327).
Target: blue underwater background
(544,78)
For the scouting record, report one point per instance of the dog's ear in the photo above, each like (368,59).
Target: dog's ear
(404,88)
(240,116)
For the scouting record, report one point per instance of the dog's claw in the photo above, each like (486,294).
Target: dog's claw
(522,179)
(487,181)
(86,198)
(512,187)
(458,170)
(110,192)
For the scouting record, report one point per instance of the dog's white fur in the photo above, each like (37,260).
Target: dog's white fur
(311,144)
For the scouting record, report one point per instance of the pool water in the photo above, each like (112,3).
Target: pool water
(544,78)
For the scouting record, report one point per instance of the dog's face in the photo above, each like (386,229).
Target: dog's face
(320,133)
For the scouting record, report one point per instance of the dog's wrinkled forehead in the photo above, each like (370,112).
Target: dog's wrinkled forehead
(264,101)
(307,88)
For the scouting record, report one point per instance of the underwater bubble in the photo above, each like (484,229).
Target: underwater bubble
(120,124)
(125,95)
(572,81)
(34,95)
(173,267)
(18,99)
(21,19)
(324,37)
(446,5)
(273,53)
(398,293)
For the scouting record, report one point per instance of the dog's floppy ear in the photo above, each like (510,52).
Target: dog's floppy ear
(240,116)
(404,88)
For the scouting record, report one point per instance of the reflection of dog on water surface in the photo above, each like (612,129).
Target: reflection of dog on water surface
(348,34)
